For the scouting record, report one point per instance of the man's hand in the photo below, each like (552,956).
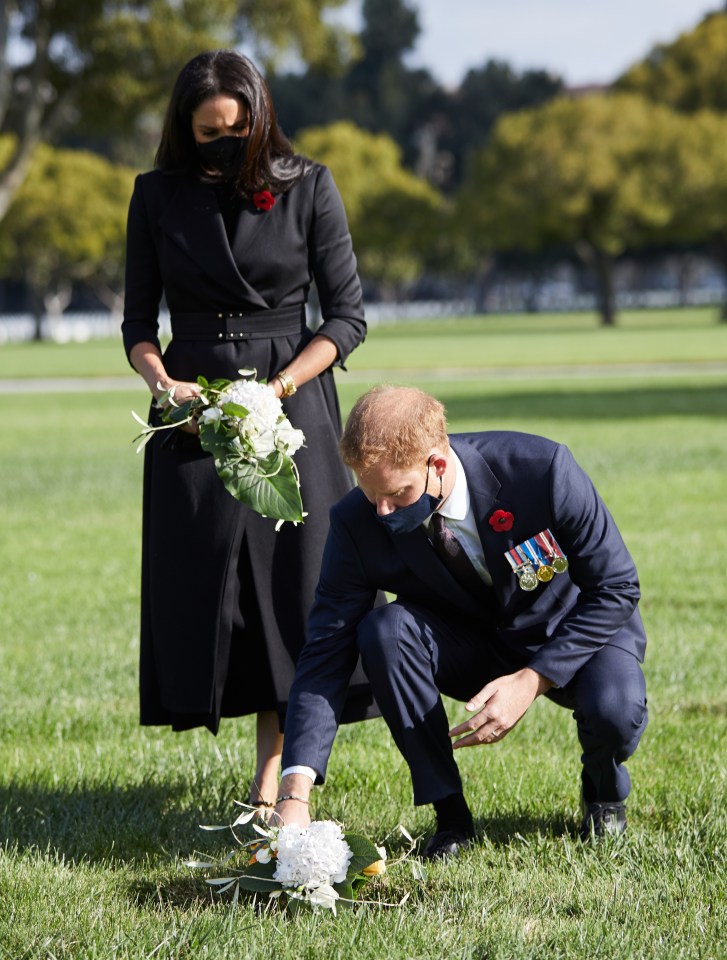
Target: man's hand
(501,704)
(298,786)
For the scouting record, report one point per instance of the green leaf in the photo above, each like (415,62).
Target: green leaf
(270,488)
(202,381)
(234,410)
(218,385)
(346,892)
(258,877)
(364,854)
(179,413)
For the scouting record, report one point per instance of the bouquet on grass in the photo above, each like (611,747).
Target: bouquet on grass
(314,866)
(242,424)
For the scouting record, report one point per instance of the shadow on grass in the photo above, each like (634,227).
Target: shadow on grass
(639,402)
(503,830)
(105,823)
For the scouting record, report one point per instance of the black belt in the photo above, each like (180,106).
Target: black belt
(239,324)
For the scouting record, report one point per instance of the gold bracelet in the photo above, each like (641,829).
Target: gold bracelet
(287,383)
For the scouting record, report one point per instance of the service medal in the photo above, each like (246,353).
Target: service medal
(558,559)
(527,577)
(544,573)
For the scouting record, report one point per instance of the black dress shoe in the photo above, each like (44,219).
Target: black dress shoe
(603,819)
(445,845)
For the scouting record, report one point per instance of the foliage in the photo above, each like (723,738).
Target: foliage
(688,74)
(596,173)
(68,221)
(435,128)
(485,94)
(395,217)
(107,68)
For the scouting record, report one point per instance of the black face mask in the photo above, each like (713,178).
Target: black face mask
(407,519)
(226,154)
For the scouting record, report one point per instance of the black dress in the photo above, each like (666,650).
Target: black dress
(224,598)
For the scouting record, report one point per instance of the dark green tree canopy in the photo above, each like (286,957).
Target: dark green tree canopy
(688,74)
(106,67)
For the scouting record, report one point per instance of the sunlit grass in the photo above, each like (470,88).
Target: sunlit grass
(97,814)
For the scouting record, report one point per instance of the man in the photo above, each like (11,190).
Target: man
(535,594)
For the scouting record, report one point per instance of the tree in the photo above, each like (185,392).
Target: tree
(599,174)
(688,74)
(484,95)
(395,217)
(108,65)
(67,223)
(700,199)
(377,92)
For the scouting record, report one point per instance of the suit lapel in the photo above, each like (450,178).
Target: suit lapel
(193,220)
(485,495)
(418,554)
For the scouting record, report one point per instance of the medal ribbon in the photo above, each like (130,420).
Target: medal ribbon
(535,556)
(551,543)
(514,559)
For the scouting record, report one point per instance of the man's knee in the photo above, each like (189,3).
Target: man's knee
(614,714)
(392,635)
(377,633)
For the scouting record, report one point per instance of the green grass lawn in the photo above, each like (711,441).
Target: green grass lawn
(97,815)
(518,340)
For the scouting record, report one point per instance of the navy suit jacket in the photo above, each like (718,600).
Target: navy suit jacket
(554,629)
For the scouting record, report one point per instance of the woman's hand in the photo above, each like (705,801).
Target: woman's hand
(180,391)
(147,360)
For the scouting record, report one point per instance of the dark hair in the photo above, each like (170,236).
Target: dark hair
(270,159)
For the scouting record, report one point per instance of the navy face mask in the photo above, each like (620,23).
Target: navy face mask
(226,154)
(407,519)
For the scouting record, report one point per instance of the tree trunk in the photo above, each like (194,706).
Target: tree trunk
(38,310)
(602,266)
(39,121)
(483,284)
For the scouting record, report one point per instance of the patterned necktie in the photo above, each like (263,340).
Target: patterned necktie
(453,555)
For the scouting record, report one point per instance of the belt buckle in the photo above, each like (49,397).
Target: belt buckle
(231,334)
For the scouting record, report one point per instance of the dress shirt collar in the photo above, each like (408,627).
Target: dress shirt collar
(457,504)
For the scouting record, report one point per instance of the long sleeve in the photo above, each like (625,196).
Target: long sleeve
(333,265)
(599,564)
(344,596)
(143,278)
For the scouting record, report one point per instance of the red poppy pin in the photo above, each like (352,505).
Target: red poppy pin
(263,200)
(501,521)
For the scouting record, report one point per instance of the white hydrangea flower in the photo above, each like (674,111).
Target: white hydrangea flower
(312,857)
(265,408)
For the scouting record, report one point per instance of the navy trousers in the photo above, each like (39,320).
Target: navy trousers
(411,656)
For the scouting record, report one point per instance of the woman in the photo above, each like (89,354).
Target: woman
(231,227)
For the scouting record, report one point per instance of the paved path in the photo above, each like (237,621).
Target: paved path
(564,372)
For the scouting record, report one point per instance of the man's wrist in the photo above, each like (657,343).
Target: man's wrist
(302,769)
(541,683)
(295,786)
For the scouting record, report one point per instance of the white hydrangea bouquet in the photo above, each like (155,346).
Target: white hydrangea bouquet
(242,424)
(314,866)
